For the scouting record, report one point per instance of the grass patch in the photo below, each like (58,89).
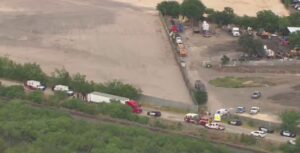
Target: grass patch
(241,82)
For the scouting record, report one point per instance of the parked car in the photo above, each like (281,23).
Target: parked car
(154,113)
(178,40)
(254,110)
(287,133)
(240,109)
(292,141)
(261,134)
(222,112)
(235,122)
(215,126)
(256,95)
(265,129)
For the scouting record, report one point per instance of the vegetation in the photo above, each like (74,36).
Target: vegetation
(290,120)
(28,130)
(294,19)
(201,97)
(225,60)
(12,92)
(22,72)
(241,82)
(193,9)
(294,39)
(225,17)
(171,8)
(287,3)
(288,148)
(252,47)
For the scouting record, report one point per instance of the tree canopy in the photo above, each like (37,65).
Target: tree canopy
(252,47)
(171,8)
(294,39)
(267,20)
(193,9)
(290,120)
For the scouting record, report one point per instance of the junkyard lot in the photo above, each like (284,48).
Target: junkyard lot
(104,40)
(275,98)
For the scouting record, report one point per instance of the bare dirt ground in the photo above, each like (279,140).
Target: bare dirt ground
(241,7)
(102,39)
(275,99)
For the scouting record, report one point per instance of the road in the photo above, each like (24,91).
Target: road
(178,117)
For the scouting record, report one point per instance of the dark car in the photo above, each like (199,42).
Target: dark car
(235,122)
(287,133)
(256,95)
(265,129)
(154,113)
(240,109)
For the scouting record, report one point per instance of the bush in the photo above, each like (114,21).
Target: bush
(248,139)
(21,72)
(12,92)
(57,98)
(200,96)
(225,60)
(252,47)
(225,17)
(36,96)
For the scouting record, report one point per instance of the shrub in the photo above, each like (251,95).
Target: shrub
(171,8)
(57,98)
(12,92)
(225,60)
(200,96)
(36,96)
(248,139)
(252,47)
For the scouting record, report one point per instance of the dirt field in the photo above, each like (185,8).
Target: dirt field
(241,7)
(103,39)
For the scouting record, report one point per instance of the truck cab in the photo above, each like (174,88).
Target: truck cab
(34,85)
(136,108)
(235,31)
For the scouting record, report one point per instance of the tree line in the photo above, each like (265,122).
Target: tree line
(78,82)
(266,19)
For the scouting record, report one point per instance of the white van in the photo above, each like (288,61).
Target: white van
(63,88)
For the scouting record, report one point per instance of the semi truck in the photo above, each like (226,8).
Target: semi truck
(34,85)
(98,97)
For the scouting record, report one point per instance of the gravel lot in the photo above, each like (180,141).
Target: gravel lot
(102,39)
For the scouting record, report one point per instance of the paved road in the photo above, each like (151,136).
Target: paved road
(229,128)
(178,117)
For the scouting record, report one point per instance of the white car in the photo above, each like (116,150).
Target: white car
(235,31)
(254,110)
(222,111)
(292,141)
(214,125)
(261,134)
(178,40)
(63,88)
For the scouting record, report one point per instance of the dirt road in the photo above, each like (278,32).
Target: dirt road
(102,39)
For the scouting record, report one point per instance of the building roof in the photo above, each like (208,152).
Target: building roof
(110,96)
(293,29)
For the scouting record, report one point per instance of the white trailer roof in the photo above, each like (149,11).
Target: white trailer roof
(110,96)
(293,29)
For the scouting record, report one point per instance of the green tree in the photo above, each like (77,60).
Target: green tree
(80,84)
(193,9)
(245,21)
(252,47)
(171,8)
(200,97)
(294,39)
(294,19)
(290,120)
(267,20)
(225,17)
(60,77)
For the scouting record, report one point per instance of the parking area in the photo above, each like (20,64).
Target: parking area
(275,99)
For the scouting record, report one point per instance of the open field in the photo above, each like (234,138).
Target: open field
(103,39)
(241,7)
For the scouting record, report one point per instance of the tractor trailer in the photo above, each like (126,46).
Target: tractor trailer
(98,97)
